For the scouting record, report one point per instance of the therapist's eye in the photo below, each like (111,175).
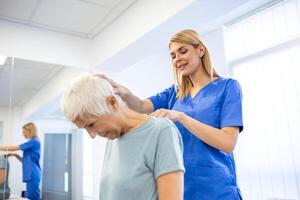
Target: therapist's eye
(173,56)
(183,51)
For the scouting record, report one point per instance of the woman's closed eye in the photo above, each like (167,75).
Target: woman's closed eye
(90,125)
(183,51)
(173,56)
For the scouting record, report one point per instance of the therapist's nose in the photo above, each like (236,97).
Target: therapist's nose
(177,59)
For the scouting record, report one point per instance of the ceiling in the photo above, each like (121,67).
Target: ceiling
(20,82)
(84,18)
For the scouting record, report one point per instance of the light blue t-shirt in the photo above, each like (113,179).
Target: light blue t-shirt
(134,161)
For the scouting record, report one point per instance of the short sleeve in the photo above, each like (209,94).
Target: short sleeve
(231,113)
(169,152)
(28,145)
(164,99)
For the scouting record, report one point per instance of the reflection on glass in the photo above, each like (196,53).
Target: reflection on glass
(30,91)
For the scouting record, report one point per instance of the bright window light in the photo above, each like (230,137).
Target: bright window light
(263,53)
(2,59)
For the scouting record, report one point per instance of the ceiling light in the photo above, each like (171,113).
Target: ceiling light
(2,59)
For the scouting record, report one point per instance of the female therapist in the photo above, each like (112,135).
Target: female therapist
(207,110)
(30,161)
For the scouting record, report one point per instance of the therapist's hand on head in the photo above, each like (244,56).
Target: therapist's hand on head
(119,89)
(173,115)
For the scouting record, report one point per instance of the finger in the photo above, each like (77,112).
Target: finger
(159,113)
(117,91)
(112,82)
(100,75)
(155,113)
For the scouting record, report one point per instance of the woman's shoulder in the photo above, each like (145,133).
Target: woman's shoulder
(227,82)
(34,140)
(163,123)
(171,89)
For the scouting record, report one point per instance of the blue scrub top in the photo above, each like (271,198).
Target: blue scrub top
(31,160)
(210,173)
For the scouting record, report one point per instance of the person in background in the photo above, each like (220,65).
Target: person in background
(30,160)
(143,156)
(4,171)
(207,109)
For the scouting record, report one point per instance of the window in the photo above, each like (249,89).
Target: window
(263,52)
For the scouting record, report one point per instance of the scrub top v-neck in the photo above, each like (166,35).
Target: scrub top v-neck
(210,173)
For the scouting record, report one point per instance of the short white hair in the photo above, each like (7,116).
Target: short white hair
(87,95)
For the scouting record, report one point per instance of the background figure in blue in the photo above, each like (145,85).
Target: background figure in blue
(207,109)
(30,161)
(4,171)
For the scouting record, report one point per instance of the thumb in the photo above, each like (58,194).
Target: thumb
(117,91)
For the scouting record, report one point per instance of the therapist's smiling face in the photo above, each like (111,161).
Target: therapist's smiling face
(107,125)
(186,58)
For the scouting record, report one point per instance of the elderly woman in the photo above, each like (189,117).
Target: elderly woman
(30,160)
(143,157)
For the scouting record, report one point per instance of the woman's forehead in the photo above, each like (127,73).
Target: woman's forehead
(176,46)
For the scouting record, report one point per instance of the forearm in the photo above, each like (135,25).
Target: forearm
(9,148)
(217,138)
(133,102)
(138,105)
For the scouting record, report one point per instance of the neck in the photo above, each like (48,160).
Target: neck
(200,78)
(132,119)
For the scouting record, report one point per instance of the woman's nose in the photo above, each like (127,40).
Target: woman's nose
(178,58)
(92,134)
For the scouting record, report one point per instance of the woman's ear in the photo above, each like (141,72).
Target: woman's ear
(201,50)
(112,102)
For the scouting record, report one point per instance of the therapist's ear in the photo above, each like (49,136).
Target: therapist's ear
(112,102)
(200,50)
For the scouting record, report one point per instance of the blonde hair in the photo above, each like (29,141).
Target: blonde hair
(32,130)
(87,95)
(184,83)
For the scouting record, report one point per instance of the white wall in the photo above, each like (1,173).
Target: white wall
(4,117)
(215,43)
(47,99)
(148,76)
(9,119)
(156,39)
(45,46)
(142,17)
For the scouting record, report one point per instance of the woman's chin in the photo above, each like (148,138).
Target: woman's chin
(111,136)
(184,73)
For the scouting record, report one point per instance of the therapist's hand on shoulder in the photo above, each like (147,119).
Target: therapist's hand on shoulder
(173,115)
